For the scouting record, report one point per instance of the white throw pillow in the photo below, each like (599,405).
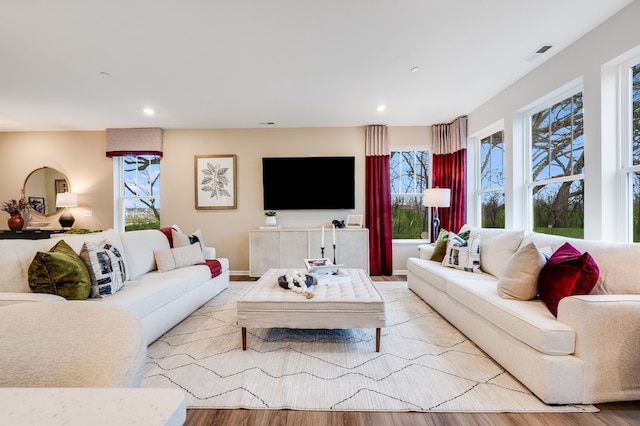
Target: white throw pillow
(106,267)
(463,254)
(175,258)
(498,245)
(519,278)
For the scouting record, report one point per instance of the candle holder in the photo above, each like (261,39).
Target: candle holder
(322,252)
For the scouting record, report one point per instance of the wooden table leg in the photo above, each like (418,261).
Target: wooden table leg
(378,339)
(244,338)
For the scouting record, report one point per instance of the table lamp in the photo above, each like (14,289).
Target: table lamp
(66,200)
(436,197)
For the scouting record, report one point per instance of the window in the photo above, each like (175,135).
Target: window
(631,120)
(139,192)
(492,181)
(409,179)
(556,182)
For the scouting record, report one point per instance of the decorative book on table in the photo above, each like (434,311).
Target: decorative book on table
(321,266)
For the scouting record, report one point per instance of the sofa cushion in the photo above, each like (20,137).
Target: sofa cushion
(463,254)
(567,273)
(497,247)
(179,257)
(106,267)
(436,274)
(60,271)
(528,321)
(519,278)
(138,250)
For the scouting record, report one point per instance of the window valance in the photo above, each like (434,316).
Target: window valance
(144,141)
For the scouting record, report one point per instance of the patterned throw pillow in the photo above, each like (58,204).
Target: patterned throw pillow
(183,240)
(440,248)
(106,267)
(567,273)
(60,271)
(461,254)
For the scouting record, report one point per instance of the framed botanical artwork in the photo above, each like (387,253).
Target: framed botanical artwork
(354,221)
(215,181)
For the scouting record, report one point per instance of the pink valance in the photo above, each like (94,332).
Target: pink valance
(144,141)
(450,138)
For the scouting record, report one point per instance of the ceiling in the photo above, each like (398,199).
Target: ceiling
(96,64)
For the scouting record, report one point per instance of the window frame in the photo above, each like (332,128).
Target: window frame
(487,133)
(119,221)
(419,196)
(627,168)
(548,101)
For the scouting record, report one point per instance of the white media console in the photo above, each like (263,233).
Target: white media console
(288,247)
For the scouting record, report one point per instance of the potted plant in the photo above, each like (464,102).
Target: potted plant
(271,217)
(15,209)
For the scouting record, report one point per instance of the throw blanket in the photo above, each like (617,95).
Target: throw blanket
(213,264)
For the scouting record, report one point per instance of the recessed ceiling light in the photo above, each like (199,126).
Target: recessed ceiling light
(149,111)
(381,108)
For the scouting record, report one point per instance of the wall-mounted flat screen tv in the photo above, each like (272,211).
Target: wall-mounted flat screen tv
(301,183)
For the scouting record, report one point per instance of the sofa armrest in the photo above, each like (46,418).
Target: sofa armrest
(209,253)
(425,251)
(607,339)
(11,298)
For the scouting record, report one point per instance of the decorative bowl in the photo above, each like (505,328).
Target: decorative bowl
(310,280)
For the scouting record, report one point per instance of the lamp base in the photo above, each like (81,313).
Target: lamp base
(66,219)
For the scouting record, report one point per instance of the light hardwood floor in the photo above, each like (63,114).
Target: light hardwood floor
(612,414)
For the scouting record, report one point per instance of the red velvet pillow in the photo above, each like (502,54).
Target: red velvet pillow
(567,273)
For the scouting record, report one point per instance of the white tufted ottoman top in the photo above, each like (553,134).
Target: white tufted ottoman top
(350,303)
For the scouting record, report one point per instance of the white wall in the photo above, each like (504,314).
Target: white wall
(590,59)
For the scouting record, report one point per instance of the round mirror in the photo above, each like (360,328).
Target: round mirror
(41,187)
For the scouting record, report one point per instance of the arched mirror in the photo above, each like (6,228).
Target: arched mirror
(40,189)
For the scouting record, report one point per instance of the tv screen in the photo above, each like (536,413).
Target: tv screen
(300,183)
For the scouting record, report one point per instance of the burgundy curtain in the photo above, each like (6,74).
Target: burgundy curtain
(378,193)
(450,170)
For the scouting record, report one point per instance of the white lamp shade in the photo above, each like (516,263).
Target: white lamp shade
(436,197)
(66,199)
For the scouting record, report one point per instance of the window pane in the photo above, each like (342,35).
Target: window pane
(408,217)
(635,202)
(141,176)
(493,212)
(635,96)
(395,161)
(422,171)
(558,208)
(492,162)
(557,140)
(141,214)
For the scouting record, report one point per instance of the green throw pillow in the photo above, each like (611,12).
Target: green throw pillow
(440,249)
(60,271)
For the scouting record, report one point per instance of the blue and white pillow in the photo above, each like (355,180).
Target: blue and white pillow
(463,254)
(106,267)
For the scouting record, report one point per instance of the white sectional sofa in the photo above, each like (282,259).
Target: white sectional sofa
(159,300)
(590,353)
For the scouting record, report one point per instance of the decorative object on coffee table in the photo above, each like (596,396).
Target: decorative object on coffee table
(15,209)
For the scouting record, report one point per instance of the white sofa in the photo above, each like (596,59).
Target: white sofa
(590,353)
(160,300)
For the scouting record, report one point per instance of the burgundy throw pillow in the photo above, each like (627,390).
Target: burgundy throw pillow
(567,273)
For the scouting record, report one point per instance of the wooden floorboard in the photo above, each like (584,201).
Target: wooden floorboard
(611,414)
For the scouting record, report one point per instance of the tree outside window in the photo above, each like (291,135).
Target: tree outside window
(634,173)
(141,192)
(557,168)
(409,179)
(492,181)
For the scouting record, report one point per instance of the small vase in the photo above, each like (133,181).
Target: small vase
(16,222)
(271,220)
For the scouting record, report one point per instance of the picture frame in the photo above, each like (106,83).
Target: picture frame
(215,182)
(37,204)
(60,185)
(354,221)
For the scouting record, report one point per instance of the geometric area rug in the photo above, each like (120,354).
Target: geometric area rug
(424,364)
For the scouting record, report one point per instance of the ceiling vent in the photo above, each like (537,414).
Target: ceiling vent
(538,52)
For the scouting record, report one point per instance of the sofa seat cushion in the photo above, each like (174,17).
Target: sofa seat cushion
(528,321)
(146,294)
(436,274)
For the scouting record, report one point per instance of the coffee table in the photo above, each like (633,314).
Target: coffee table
(347,301)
